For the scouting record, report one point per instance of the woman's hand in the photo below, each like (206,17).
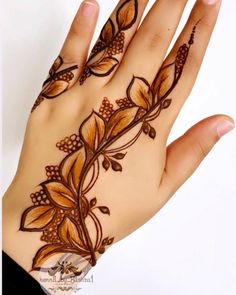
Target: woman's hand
(95,165)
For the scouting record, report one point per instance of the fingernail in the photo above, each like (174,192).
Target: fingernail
(88,8)
(224,127)
(210,2)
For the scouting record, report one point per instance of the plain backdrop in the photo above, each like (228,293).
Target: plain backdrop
(188,248)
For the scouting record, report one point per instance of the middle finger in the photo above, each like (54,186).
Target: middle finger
(150,44)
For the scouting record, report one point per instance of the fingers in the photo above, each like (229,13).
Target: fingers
(186,153)
(181,67)
(76,46)
(149,46)
(69,64)
(113,41)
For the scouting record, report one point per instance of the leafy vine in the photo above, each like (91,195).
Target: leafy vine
(111,42)
(57,82)
(63,207)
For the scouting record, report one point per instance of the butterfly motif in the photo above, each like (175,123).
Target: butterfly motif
(64,268)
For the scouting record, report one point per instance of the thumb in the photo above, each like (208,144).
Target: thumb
(186,153)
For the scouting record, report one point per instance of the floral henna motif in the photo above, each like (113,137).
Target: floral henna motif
(57,82)
(111,42)
(64,206)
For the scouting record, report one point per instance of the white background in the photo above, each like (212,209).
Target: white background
(188,248)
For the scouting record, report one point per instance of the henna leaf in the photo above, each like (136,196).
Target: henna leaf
(166,103)
(36,218)
(104,210)
(104,241)
(59,194)
(92,131)
(69,232)
(106,164)
(55,88)
(95,58)
(47,251)
(119,156)
(104,67)
(152,133)
(71,167)
(139,93)
(164,82)
(146,127)
(120,120)
(110,241)
(107,241)
(93,202)
(56,65)
(116,166)
(108,31)
(127,14)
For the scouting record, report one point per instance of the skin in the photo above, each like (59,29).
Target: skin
(152,171)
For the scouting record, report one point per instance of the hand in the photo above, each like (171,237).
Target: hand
(94,165)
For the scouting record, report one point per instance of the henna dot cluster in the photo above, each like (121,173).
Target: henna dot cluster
(50,233)
(117,45)
(86,74)
(37,102)
(39,198)
(106,109)
(124,102)
(181,57)
(67,77)
(70,144)
(75,214)
(52,172)
(98,47)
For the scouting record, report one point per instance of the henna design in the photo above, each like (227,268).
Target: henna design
(63,207)
(57,82)
(111,42)
(106,109)
(70,144)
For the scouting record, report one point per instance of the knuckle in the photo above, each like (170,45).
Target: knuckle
(202,149)
(153,39)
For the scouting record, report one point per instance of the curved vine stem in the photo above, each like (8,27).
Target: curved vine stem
(99,229)
(88,167)
(127,145)
(157,107)
(155,115)
(93,178)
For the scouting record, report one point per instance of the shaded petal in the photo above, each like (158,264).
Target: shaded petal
(59,194)
(36,218)
(139,92)
(92,131)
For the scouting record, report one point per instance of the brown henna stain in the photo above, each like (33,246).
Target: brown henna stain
(58,82)
(111,42)
(61,207)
